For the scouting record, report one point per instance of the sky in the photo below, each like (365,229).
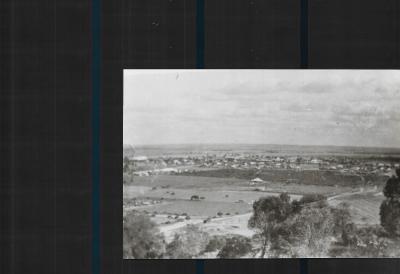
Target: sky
(297,107)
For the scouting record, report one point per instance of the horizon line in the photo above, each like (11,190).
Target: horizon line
(269,144)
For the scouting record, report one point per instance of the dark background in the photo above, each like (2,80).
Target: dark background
(46,110)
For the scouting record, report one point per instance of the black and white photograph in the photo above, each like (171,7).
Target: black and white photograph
(261,164)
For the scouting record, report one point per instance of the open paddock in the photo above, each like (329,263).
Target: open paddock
(175,181)
(166,183)
(301,177)
(198,208)
(207,195)
(364,207)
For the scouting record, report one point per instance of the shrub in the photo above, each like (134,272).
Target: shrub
(268,213)
(310,232)
(310,198)
(390,216)
(188,243)
(392,187)
(141,238)
(235,247)
(215,243)
(206,220)
(367,241)
(390,208)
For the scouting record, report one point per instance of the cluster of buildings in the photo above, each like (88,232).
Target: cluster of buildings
(144,166)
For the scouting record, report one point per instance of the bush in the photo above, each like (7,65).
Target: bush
(189,243)
(268,214)
(141,238)
(368,242)
(390,208)
(390,216)
(215,243)
(349,235)
(392,187)
(235,247)
(310,232)
(317,200)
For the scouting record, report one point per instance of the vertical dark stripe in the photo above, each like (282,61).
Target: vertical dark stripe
(199,65)
(96,85)
(303,34)
(199,34)
(199,266)
(303,266)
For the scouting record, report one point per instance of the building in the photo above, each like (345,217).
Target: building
(256,181)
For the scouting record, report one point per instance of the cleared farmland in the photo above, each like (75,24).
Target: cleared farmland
(197,208)
(218,183)
(186,181)
(302,177)
(364,207)
(225,195)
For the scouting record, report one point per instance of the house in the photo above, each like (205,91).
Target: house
(139,159)
(315,161)
(309,166)
(256,181)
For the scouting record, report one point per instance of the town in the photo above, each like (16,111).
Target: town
(144,166)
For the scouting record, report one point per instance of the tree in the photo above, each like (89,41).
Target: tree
(390,216)
(368,242)
(216,242)
(392,187)
(343,225)
(126,164)
(188,243)
(268,213)
(315,199)
(390,207)
(310,232)
(304,227)
(141,238)
(235,247)
(312,198)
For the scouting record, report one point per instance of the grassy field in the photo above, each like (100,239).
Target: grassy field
(303,177)
(189,182)
(226,195)
(226,203)
(364,207)
(218,183)
(198,208)
(208,194)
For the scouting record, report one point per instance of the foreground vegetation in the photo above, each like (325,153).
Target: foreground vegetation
(284,227)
